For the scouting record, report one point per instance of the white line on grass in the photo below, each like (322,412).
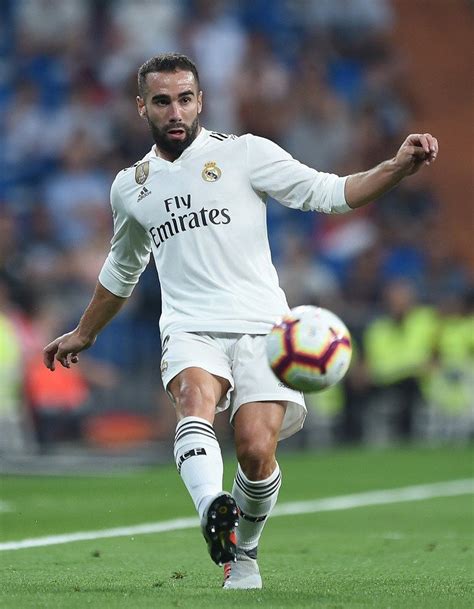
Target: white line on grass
(329,504)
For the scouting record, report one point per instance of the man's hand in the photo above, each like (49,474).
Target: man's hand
(65,349)
(101,309)
(416,150)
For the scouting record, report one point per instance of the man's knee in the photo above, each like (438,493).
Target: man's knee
(195,393)
(195,401)
(256,458)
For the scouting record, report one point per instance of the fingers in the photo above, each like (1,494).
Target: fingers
(55,351)
(49,353)
(422,141)
(433,143)
(417,152)
(65,357)
(423,146)
(430,146)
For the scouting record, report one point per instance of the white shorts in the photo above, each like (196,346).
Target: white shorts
(242,360)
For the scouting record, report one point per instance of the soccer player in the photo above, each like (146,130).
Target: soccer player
(197,201)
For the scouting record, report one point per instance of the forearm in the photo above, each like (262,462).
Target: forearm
(102,308)
(362,188)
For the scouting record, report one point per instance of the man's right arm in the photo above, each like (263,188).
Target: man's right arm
(128,257)
(102,308)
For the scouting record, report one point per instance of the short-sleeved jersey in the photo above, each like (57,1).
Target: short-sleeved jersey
(204,218)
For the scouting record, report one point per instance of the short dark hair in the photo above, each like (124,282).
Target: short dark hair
(166,62)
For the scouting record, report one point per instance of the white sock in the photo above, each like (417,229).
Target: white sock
(256,499)
(199,460)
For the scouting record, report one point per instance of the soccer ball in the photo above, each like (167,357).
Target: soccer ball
(309,349)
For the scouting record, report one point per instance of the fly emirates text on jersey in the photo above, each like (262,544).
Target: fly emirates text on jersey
(186,221)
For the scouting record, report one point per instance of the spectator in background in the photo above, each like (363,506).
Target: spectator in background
(398,349)
(358,18)
(407,235)
(12,263)
(51,22)
(86,113)
(132,31)
(40,58)
(340,241)
(57,406)
(77,195)
(319,285)
(27,142)
(130,135)
(444,275)
(384,93)
(280,21)
(450,384)
(318,116)
(45,267)
(12,438)
(362,288)
(370,140)
(262,91)
(414,203)
(217,41)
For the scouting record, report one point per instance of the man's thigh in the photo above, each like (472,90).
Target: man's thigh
(190,351)
(255,383)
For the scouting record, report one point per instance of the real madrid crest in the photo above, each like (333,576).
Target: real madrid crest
(141,172)
(211,172)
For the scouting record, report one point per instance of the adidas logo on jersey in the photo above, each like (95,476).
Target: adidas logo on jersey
(144,192)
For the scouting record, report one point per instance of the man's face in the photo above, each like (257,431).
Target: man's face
(171,105)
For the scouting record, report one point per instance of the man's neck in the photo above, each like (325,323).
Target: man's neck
(166,155)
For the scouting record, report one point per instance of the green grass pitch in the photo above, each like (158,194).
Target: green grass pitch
(412,555)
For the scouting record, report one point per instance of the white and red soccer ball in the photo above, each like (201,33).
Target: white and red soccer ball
(309,349)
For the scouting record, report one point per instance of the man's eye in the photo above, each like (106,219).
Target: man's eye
(185,100)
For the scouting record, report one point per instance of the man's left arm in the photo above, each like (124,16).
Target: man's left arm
(416,150)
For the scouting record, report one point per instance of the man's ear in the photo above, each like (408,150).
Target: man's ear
(141,106)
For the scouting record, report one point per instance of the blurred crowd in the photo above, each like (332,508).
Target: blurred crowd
(321,79)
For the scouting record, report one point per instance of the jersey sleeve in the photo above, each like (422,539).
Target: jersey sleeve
(130,250)
(275,172)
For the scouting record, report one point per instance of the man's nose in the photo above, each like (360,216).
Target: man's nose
(175,113)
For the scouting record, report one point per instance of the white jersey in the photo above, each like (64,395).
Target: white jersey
(204,218)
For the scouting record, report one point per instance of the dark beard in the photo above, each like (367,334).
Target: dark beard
(174,147)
